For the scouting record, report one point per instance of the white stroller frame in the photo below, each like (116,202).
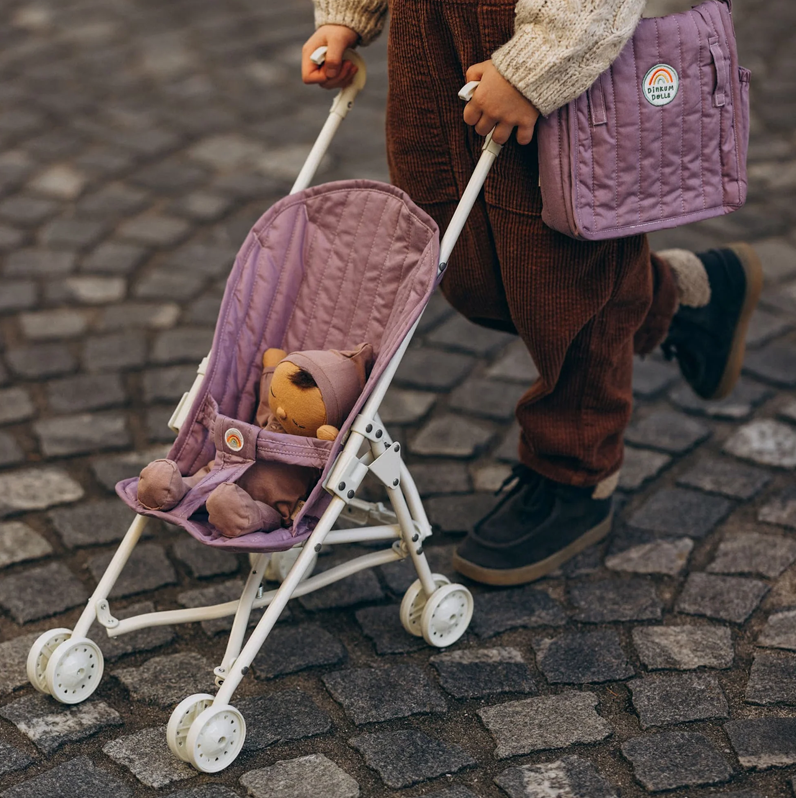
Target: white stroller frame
(206,730)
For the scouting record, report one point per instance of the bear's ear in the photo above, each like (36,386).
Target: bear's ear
(362,356)
(272,357)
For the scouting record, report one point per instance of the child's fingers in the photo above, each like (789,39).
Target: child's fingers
(476,71)
(502,132)
(342,79)
(471,114)
(525,134)
(485,124)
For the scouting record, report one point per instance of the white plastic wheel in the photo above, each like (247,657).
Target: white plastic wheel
(185,713)
(413,603)
(215,738)
(74,670)
(447,615)
(282,561)
(40,653)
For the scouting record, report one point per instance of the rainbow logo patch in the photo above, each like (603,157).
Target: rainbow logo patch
(234,439)
(660,85)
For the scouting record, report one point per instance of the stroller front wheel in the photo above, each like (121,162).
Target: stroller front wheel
(39,656)
(414,602)
(215,738)
(185,713)
(74,670)
(447,615)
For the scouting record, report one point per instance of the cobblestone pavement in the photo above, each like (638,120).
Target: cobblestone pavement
(139,140)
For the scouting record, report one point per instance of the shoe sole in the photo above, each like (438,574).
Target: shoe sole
(753,269)
(504,577)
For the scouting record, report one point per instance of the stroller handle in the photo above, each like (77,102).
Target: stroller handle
(341,105)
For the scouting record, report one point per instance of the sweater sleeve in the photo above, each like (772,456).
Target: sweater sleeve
(366,17)
(560,47)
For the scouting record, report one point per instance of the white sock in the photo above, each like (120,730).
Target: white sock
(693,286)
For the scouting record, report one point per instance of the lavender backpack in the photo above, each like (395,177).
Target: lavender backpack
(659,140)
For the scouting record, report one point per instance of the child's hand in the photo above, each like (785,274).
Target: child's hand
(334,73)
(497,104)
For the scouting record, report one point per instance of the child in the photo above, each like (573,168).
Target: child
(581,308)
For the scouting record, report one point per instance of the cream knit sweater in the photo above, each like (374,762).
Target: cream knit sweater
(558,49)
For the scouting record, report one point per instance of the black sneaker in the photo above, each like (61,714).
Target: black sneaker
(533,530)
(709,342)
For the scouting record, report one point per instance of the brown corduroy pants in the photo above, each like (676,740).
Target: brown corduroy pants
(578,306)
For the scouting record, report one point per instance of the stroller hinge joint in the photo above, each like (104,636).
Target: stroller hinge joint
(104,615)
(387,467)
(345,485)
(369,429)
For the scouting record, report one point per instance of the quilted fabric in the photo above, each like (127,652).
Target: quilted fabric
(614,164)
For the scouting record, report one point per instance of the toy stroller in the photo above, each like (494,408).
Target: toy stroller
(328,266)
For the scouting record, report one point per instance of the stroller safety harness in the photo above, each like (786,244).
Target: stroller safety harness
(325,267)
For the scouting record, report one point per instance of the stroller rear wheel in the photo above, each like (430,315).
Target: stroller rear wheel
(185,713)
(414,601)
(215,738)
(447,615)
(40,653)
(74,670)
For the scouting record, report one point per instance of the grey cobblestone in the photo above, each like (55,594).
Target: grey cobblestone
(115,352)
(282,717)
(582,658)
(15,405)
(41,592)
(654,557)
(13,656)
(684,647)
(18,543)
(753,554)
(85,392)
(771,680)
(762,743)
(305,777)
(166,680)
(76,778)
(12,759)
(781,510)
(672,433)
(145,756)
(568,777)
(383,626)
(147,569)
(476,673)
(640,466)
(727,598)
(677,698)
(295,648)
(524,607)
(616,600)
(85,432)
(739,405)
(674,512)
(779,631)
(41,360)
(766,442)
(727,478)
(36,489)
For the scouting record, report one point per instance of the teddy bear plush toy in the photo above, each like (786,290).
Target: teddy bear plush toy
(304,393)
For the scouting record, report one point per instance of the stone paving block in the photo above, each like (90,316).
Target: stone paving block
(673,433)
(476,673)
(676,759)
(73,233)
(405,407)
(451,436)
(92,523)
(507,451)
(12,759)
(514,365)
(677,698)
(36,489)
(157,424)
(406,757)
(766,555)
(582,658)
(489,477)
(215,791)
(87,290)
(147,569)
(17,295)
(550,721)
(762,743)
(740,404)
(40,360)
(640,466)
(53,325)
(441,478)
(433,369)
(114,257)
(765,327)
(676,512)
(788,412)
(10,452)
(168,384)
(182,344)
(684,647)
(148,759)
(458,514)
(76,778)
(49,725)
(775,364)
(377,694)
(40,592)
(205,311)
(383,626)
(778,257)
(110,469)
(140,315)
(400,575)
(15,405)
(113,200)
(165,681)
(116,352)
(772,679)
(281,717)
(60,181)
(486,399)
(305,777)
(651,377)
(354,589)
(27,211)
(18,543)
(38,263)
(655,557)
(727,598)
(203,206)
(13,656)
(133,642)
(459,333)
(779,631)
(219,594)
(616,600)
(515,608)
(290,649)
(727,478)
(85,392)
(82,433)
(455,791)
(766,442)
(568,777)
(154,230)
(781,510)
(167,284)
(203,561)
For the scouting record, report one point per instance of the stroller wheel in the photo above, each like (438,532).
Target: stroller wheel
(185,713)
(74,670)
(40,653)
(215,738)
(447,615)
(413,603)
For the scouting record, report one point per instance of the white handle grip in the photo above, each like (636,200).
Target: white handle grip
(466,91)
(319,56)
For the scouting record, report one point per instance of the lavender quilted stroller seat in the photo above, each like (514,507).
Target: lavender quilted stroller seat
(327,268)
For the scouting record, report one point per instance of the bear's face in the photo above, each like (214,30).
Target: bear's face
(296,401)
